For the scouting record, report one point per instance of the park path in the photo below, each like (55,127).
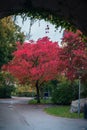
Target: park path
(16,114)
(16,100)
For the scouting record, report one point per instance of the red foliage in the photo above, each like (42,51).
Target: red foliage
(43,60)
(74,55)
(35,61)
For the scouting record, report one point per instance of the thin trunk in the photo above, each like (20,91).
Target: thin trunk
(38,93)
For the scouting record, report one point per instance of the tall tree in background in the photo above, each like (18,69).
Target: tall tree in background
(35,62)
(10,33)
(74,55)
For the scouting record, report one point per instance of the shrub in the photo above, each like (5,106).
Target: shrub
(84,90)
(6,85)
(64,93)
(26,94)
(5,91)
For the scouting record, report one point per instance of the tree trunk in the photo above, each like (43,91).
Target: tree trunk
(38,93)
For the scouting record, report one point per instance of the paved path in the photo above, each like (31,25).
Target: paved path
(16,100)
(19,116)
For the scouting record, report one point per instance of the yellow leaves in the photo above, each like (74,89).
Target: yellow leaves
(25,88)
(7,26)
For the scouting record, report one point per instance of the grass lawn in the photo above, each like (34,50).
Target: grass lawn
(62,111)
(43,101)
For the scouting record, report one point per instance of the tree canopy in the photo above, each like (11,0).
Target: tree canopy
(44,60)
(35,62)
(74,55)
(10,33)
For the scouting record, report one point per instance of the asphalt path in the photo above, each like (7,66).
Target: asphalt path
(16,114)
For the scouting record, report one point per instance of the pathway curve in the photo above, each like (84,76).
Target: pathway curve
(21,116)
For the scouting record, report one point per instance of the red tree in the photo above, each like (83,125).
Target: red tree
(35,62)
(74,55)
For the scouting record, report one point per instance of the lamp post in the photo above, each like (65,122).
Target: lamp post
(79,96)
(80,72)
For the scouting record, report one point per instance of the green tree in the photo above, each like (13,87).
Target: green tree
(10,33)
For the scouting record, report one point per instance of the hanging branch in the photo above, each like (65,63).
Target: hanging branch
(32,21)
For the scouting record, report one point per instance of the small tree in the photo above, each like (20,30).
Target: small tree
(35,62)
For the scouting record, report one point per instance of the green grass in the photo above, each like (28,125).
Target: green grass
(62,111)
(42,101)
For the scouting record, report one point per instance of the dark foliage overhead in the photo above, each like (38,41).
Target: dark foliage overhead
(68,12)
